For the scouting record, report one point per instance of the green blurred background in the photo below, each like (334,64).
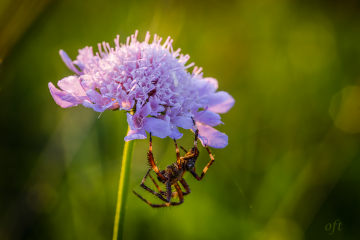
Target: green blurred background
(294,143)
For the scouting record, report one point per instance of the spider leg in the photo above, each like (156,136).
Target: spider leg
(186,186)
(173,194)
(180,195)
(148,189)
(183,149)
(168,204)
(168,191)
(168,194)
(208,150)
(177,155)
(152,161)
(156,185)
(196,133)
(205,168)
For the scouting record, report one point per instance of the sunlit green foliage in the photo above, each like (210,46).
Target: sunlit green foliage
(293,68)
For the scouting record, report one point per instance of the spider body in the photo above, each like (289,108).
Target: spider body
(174,173)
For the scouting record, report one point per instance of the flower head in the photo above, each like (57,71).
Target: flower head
(150,80)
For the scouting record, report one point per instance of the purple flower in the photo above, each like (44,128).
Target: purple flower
(151,80)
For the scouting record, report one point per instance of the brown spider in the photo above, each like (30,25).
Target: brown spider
(174,173)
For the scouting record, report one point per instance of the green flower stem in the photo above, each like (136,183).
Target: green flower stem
(123,190)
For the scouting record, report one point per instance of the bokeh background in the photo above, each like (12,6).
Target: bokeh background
(292,165)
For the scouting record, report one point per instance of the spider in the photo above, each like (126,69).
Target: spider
(174,173)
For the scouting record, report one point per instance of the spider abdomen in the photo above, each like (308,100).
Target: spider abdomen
(175,173)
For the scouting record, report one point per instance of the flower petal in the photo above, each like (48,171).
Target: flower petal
(87,82)
(175,134)
(71,98)
(72,85)
(220,102)
(68,62)
(211,137)
(58,94)
(135,134)
(155,106)
(94,96)
(145,110)
(88,104)
(208,117)
(95,107)
(130,121)
(183,122)
(206,86)
(157,127)
(98,108)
